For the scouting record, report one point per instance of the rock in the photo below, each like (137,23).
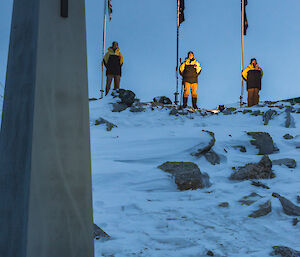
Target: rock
(250,199)
(224,205)
(263,210)
(109,125)
(162,100)
(187,175)
(288,136)
(298,199)
(288,207)
(256,113)
(246,111)
(99,233)
(206,148)
(241,148)
(259,184)
(284,251)
(210,253)
(268,115)
(290,163)
(93,99)
(174,111)
(229,111)
(261,170)
(289,120)
(212,157)
(137,109)
(119,107)
(295,221)
(263,141)
(298,110)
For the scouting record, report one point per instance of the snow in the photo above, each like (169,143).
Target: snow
(139,206)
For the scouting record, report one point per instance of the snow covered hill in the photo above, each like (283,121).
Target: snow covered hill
(145,214)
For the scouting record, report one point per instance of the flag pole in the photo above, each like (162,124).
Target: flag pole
(103,47)
(242,53)
(177,55)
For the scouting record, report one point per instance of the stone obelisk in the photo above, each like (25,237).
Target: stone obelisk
(45,164)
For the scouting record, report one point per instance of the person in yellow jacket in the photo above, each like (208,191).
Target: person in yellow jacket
(253,75)
(190,69)
(113,61)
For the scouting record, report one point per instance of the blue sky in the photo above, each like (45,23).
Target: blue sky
(146,32)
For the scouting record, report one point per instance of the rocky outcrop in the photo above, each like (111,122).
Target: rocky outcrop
(208,147)
(187,175)
(268,115)
(261,170)
(288,207)
(290,163)
(263,210)
(109,125)
(162,100)
(284,251)
(288,136)
(289,120)
(212,157)
(263,142)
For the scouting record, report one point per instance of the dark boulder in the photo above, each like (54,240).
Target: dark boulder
(263,141)
(284,251)
(162,100)
(288,207)
(187,175)
(260,170)
(263,210)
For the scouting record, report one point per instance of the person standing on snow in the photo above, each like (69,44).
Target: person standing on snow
(253,75)
(113,61)
(190,69)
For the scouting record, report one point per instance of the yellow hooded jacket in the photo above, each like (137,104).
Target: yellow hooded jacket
(250,67)
(190,70)
(113,61)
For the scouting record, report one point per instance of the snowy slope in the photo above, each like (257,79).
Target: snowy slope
(139,206)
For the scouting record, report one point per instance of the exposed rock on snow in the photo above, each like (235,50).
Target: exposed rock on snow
(288,207)
(229,111)
(212,157)
(99,233)
(187,175)
(210,253)
(206,148)
(261,170)
(119,107)
(137,109)
(224,205)
(250,199)
(256,113)
(259,184)
(162,100)
(174,111)
(263,141)
(263,210)
(109,125)
(284,251)
(127,96)
(295,221)
(298,199)
(288,136)
(290,163)
(289,120)
(268,115)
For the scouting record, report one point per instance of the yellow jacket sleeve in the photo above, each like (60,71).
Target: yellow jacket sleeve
(262,73)
(106,57)
(245,73)
(182,67)
(121,59)
(198,67)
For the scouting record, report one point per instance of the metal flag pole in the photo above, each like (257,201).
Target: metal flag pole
(177,56)
(103,47)
(242,55)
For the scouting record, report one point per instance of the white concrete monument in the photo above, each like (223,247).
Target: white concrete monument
(45,171)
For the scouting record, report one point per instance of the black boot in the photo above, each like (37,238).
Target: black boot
(184,105)
(194,101)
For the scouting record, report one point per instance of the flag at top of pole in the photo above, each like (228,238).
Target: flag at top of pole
(245,16)
(109,9)
(181,12)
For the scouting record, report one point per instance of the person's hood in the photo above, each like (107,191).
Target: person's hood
(251,66)
(111,50)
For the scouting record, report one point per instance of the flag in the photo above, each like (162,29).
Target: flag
(245,17)
(181,11)
(109,9)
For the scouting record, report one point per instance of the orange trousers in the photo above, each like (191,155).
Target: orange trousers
(253,96)
(187,87)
